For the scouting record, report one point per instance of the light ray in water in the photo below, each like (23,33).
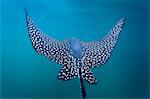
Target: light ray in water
(75,56)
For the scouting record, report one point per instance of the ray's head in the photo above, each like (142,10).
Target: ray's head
(75,48)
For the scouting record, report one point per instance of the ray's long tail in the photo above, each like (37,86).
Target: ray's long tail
(83,91)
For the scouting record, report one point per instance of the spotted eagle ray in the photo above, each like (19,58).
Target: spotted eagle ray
(75,56)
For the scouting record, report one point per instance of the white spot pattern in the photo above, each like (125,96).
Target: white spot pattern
(98,52)
(95,53)
(52,49)
(88,75)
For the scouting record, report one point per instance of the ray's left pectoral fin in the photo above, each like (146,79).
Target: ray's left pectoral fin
(51,48)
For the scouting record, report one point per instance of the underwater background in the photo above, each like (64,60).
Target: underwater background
(26,74)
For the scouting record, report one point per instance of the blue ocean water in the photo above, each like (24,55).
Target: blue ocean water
(26,74)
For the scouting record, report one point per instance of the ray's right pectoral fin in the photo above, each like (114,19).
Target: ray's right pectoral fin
(98,52)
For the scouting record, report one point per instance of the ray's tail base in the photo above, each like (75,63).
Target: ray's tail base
(83,91)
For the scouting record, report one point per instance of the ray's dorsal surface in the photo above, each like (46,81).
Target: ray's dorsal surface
(75,48)
(76,57)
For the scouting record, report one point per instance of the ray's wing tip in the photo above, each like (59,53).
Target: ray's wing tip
(121,22)
(123,19)
(25,9)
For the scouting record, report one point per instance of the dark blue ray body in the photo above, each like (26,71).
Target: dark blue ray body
(75,56)
(75,48)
